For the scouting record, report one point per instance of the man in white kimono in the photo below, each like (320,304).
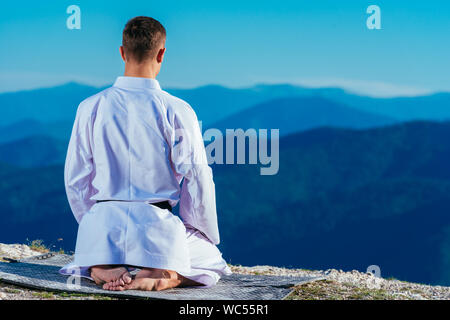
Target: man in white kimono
(131,147)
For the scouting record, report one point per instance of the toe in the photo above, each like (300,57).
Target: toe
(129,286)
(126,278)
(160,285)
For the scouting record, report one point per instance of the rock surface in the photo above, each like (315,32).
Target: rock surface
(17,251)
(352,285)
(339,284)
(11,292)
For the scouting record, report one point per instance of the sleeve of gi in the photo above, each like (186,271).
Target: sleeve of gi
(197,199)
(79,166)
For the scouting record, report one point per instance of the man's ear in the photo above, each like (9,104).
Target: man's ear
(122,53)
(160,55)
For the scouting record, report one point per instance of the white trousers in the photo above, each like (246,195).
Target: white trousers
(144,236)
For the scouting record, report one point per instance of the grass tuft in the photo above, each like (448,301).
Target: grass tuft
(38,245)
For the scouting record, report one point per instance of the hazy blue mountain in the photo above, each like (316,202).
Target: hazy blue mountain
(34,206)
(345,199)
(51,111)
(44,105)
(342,199)
(215,102)
(54,108)
(29,127)
(33,151)
(429,107)
(59,103)
(21,129)
(288,114)
(302,113)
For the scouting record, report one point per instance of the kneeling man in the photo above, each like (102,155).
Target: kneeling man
(136,151)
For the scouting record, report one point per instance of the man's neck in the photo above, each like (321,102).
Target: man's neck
(140,71)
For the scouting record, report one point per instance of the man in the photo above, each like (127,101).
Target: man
(131,147)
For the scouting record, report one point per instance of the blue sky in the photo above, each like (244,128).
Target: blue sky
(235,43)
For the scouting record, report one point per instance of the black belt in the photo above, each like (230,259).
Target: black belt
(162,204)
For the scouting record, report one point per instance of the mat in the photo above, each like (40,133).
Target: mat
(41,273)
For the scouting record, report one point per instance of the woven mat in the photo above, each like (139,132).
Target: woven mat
(41,272)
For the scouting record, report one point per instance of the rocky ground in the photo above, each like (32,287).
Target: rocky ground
(338,285)
(11,292)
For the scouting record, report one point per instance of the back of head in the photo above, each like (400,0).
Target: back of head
(142,38)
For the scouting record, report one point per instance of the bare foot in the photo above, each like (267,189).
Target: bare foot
(106,274)
(149,284)
(157,274)
(150,279)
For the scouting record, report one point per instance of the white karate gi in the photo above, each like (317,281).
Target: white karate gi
(126,145)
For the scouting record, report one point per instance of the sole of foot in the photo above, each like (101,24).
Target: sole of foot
(108,274)
(149,279)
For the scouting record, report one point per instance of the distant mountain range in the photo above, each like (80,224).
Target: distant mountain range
(29,127)
(33,151)
(301,113)
(44,105)
(52,110)
(29,143)
(214,103)
(343,198)
(430,107)
(34,206)
(30,117)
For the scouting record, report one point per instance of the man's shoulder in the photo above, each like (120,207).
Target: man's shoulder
(178,107)
(174,102)
(98,96)
(90,103)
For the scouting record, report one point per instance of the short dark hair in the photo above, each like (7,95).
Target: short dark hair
(141,38)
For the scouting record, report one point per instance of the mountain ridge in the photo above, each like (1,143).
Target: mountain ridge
(215,102)
(338,192)
(297,114)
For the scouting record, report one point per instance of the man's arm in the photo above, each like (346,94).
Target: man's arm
(79,166)
(197,200)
